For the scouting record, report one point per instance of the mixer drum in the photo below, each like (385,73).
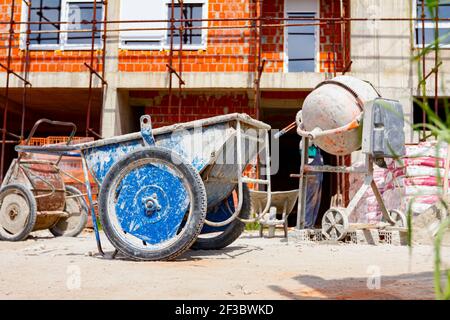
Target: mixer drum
(331,106)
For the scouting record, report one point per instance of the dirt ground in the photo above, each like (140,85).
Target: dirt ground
(252,268)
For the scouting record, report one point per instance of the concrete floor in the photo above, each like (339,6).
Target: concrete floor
(252,268)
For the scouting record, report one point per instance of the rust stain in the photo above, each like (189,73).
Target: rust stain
(392,290)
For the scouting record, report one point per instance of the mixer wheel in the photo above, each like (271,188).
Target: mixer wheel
(17,212)
(398,218)
(77,208)
(335,224)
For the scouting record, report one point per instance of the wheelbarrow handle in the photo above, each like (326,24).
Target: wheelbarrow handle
(317,132)
(53,123)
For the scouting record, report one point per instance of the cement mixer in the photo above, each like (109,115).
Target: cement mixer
(332,112)
(332,118)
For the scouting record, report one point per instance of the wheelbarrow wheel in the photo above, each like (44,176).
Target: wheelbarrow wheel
(152,205)
(17,212)
(228,234)
(77,209)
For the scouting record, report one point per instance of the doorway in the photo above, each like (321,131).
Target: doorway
(289,161)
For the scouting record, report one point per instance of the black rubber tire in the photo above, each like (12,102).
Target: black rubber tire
(193,225)
(56,229)
(31,221)
(232,232)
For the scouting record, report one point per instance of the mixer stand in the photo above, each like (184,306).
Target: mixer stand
(335,222)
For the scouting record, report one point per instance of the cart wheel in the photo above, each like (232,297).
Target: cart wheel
(17,212)
(335,224)
(216,238)
(398,219)
(78,211)
(152,205)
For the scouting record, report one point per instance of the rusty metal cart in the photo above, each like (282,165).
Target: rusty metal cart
(34,197)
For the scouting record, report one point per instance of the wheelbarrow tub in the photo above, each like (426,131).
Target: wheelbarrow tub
(208,144)
(284,201)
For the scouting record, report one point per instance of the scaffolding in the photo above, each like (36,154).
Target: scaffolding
(256,24)
(26,84)
(93,68)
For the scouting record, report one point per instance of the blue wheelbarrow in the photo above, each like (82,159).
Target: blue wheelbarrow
(166,190)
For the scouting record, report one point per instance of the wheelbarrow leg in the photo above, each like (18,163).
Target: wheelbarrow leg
(91,205)
(272,218)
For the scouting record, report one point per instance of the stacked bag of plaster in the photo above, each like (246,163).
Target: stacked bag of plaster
(415,182)
(367,210)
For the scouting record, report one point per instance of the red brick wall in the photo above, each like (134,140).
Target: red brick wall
(332,33)
(195,105)
(40,60)
(228,50)
(235,50)
(273,37)
(5,16)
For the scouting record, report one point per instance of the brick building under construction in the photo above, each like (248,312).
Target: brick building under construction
(185,60)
